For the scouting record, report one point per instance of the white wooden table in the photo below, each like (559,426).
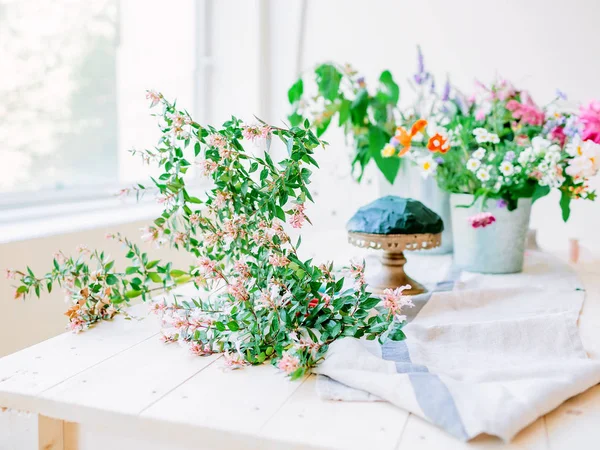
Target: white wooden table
(118,387)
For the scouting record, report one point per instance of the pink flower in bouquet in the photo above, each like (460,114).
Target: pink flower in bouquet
(207,167)
(11,274)
(482,220)
(233,360)
(217,140)
(200,350)
(288,363)
(527,111)
(558,134)
(241,269)
(206,265)
(590,118)
(238,291)
(504,90)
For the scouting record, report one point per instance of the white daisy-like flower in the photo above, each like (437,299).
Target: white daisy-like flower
(479,153)
(483,174)
(428,166)
(480,132)
(493,138)
(540,145)
(544,166)
(552,156)
(518,169)
(491,156)
(507,168)
(473,164)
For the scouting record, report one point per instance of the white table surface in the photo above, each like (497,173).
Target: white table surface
(117,386)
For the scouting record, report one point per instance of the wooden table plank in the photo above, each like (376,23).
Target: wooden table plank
(242,400)
(132,380)
(421,435)
(37,368)
(307,420)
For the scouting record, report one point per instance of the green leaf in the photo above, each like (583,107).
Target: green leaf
(152,264)
(328,81)
(220,326)
(233,325)
(111,279)
(565,205)
(133,293)
(296,91)
(155,277)
(177,273)
(389,166)
(344,111)
(358,108)
(539,192)
(392,89)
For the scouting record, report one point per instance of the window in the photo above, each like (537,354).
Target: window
(72,104)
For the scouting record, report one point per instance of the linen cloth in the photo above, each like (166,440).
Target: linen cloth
(484,353)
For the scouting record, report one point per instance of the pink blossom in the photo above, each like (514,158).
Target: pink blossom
(480,113)
(153,235)
(238,291)
(168,337)
(590,118)
(83,249)
(200,350)
(207,167)
(234,360)
(278,260)
(522,140)
(225,153)
(180,238)
(158,308)
(168,200)
(251,133)
(504,90)
(357,271)
(527,112)
(288,363)
(212,238)
(154,96)
(217,140)
(206,265)
(11,274)
(482,220)
(76,325)
(242,269)
(297,219)
(558,134)
(393,300)
(194,219)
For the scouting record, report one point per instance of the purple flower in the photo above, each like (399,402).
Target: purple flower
(501,203)
(560,94)
(446,92)
(439,160)
(421,77)
(573,127)
(361,81)
(395,142)
(510,156)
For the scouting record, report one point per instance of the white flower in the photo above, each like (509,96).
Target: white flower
(473,164)
(428,166)
(580,167)
(480,132)
(483,174)
(540,145)
(479,153)
(588,150)
(543,166)
(507,168)
(491,156)
(493,138)
(552,156)
(525,156)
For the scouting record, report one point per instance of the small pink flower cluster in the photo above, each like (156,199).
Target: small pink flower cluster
(358,273)
(482,220)
(153,235)
(241,269)
(297,219)
(526,112)
(253,132)
(288,363)
(199,349)
(238,291)
(233,360)
(206,266)
(207,167)
(393,300)
(154,97)
(278,260)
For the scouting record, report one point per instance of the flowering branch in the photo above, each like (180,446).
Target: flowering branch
(258,300)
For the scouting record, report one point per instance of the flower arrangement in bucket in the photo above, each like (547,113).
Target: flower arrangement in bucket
(499,155)
(371,116)
(258,301)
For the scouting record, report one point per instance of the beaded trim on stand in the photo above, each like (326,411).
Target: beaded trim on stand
(395,242)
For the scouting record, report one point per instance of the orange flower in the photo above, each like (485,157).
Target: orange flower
(405,138)
(438,143)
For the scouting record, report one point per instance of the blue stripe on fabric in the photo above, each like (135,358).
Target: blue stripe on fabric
(431,393)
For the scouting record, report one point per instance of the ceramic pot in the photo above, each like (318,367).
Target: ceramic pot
(409,183)
(495,248)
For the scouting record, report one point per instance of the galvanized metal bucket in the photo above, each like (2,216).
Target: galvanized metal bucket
(496,248)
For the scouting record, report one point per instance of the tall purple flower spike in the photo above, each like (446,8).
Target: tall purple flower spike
(446,92)
(421,76)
